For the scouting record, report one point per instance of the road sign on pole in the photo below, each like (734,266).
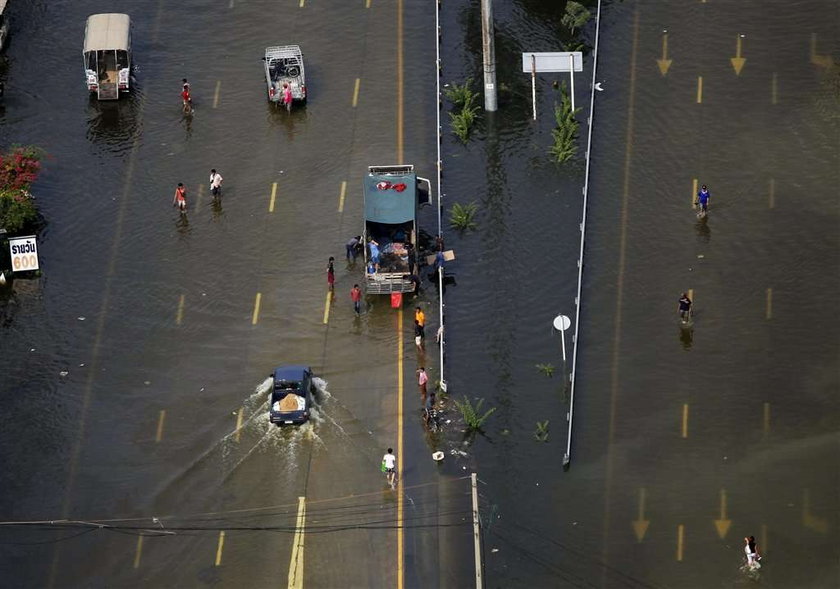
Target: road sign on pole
(558,61)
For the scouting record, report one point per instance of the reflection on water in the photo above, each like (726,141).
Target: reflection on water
(293,122)
(114,124)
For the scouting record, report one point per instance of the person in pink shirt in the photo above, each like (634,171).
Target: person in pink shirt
(422,379)
(287,96)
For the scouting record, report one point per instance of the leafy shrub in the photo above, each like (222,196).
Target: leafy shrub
(576,16)
(565,134)
(472,413)
(19,168)
(461,216)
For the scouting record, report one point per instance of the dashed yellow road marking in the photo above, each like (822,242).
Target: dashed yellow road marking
(680,541)
(341,196)
(768,313)
(216,93)
(301,3)
(179,315)
(694,192)
(256,316)
(699,89)
(356,92)
(138,552)
(766,419)
(296,563)
(685,420)
(199,195)
(220,547)
(161,419)
(691,296)
(772,197)
(327,308)
(239,415)
(774,89)
(367,4)
(273,197)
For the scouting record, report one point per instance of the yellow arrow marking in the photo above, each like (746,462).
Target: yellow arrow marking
(680,541)
(664,63)
(641,524)
(723,523)
(738,61)
(685,420)
(816,59)
(809,520)
(296,562)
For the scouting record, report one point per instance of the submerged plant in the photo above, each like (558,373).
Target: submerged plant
(541,433)
(460,96)
(461,216)
(565,134)
(576,16)
(473,418)
(464,110)
(547,369)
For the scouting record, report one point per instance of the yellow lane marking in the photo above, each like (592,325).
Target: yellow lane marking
(256,316)
(296,563)
(239,416)
(341,196)
(685,420)
(301,3)
(763,545)
(367,4)
(619,290)
(774,89)
(691,295)
(399,81)
(327,308)
(273,197)
(809,520)
(766,419)
(722,524)
(768,312)
(821,60)
(200,193)
(772,198)
(738,61)
(641,524)
(138,552)
(356,92)
(400,539)
(159,432)
(694,192)
(699,89)
(179,316)
(216,93)
(220,547)
(680,541)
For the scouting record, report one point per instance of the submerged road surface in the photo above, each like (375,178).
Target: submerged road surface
(135,369)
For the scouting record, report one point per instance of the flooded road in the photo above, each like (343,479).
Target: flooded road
(134,369)
(686,440)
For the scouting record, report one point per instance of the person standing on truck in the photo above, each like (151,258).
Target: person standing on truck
(356,297)
(215,182)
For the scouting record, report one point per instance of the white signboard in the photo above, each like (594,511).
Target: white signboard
(24,253)
(558,61)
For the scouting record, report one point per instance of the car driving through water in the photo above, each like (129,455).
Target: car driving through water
(290,399)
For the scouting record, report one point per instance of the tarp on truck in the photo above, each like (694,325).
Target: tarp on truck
(390,198)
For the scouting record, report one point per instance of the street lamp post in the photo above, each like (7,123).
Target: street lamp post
(561,323)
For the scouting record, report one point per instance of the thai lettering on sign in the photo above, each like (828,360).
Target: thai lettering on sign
(24,251)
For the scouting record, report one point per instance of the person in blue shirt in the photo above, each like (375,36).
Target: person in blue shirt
(703,198)
(374,252)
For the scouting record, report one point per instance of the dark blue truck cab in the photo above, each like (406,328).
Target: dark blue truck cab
(290,399)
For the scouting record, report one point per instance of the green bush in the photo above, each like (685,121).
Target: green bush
(460,96)
(472,413)
(565,134)
(461,216)
(464,110)
(576,16)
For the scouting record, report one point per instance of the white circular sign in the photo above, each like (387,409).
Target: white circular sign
(562,323)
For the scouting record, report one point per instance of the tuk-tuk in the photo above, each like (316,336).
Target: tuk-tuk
(284,66)
(107,55)
(4,24)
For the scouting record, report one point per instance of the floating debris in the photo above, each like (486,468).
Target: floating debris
(63,373)
(80,318)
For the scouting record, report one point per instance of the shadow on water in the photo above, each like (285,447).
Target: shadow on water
(114,124)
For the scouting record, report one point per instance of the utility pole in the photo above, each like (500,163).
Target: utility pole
(489,55)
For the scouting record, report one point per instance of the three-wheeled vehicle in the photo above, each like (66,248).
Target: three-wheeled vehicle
(284,65)
(290,399)
(107,55)
(4,24)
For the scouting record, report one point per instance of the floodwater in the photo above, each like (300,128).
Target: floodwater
(152,315)
(685,439)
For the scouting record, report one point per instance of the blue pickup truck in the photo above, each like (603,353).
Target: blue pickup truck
(290,399)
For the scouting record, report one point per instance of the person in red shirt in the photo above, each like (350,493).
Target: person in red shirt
(356,297)
(180,199)
(187,98)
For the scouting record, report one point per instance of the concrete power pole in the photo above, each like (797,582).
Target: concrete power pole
(489,55)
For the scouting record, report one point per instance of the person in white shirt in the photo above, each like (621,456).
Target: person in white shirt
(215,182)
(751,550)
(389,461)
